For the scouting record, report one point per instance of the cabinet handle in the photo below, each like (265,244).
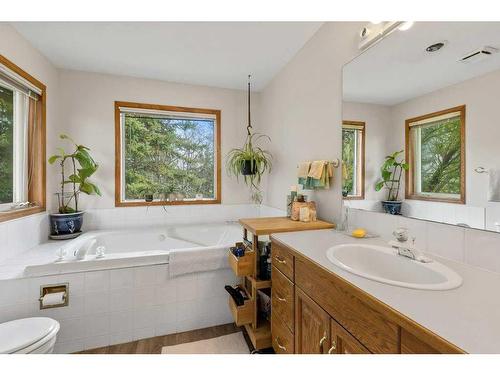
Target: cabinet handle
(281,299)
(333,348)
(280,260)
(279,344)
(322,342)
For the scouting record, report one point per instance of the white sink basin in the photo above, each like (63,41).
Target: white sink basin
(384,265)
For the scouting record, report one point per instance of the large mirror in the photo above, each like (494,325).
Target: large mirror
(421,131)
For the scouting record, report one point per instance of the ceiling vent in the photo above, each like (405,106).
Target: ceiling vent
(479,55)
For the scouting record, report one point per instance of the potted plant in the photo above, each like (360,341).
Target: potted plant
(68,221)
(392,171)
(250,161)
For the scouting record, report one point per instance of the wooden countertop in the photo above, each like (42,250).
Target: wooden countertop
(268,225)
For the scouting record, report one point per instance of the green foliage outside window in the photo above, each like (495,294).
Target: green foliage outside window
(6,145)
(166,156)
(348,157)
(441,157)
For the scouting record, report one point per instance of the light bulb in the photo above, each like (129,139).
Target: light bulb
(406,25)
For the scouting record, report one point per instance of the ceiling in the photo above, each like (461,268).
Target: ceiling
(218,54)
(398,68)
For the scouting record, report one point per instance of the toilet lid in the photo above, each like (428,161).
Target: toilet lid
(18,334)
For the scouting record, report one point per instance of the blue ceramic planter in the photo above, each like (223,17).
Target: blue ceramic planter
(392,207)
(64,224)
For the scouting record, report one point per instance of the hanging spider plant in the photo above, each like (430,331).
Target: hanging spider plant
(250,161)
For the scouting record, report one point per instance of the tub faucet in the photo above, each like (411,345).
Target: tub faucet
(82,251)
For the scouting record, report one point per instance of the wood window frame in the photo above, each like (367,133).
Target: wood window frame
(118,154)
(409,179)
(363,167)
(36,151)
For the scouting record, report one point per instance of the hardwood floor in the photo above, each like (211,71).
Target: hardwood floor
(153,345)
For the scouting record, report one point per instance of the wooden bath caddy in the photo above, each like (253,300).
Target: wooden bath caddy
(247,268)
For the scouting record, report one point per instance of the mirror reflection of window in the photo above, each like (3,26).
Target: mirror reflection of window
(436,154)
(353,159)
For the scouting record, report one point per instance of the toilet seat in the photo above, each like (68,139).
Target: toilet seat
(27,335)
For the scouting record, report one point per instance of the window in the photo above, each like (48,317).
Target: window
(435,151)
(22,142)
(353,160)
(166,155)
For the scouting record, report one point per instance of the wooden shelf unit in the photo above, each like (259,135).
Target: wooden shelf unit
(260,332)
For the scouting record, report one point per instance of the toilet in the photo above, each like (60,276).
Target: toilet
(28,336)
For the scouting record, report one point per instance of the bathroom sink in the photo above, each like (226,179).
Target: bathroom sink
(383,264)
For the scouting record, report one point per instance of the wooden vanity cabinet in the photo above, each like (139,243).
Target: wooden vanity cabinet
(312,326)
(342,342)
(330,315)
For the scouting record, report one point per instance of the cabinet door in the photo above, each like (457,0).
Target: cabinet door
(342,342)
(312,326)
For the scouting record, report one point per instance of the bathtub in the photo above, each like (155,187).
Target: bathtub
(133,247)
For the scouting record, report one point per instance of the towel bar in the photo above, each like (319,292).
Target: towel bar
(335,163)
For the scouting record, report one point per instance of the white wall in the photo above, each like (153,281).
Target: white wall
(301,112)
(87,113)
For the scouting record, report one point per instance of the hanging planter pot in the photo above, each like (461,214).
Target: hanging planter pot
(248,167)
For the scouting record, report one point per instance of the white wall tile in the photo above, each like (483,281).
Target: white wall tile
(144,317)
(96,341)
(145,276)
(72,329)
(144,333)
(96,302)
(144,297)
(482,249)
(96,281)
(121,337)
(66,347)
(97,324)
(122,299)
(121,321)
(122,278)
(446,241)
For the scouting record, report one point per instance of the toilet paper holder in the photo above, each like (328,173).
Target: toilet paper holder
(51,289)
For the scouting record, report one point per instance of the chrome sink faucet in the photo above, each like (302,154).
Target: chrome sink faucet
(406,249)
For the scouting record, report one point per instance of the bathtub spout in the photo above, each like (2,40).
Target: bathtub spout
(82,251)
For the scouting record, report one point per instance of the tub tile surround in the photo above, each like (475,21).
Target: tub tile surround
(471,246)
(114,306)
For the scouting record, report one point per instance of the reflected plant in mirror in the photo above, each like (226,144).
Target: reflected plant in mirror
(392,172)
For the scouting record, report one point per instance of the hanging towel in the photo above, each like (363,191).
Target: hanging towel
(317,169)
(302,173)
(494,185)
(197,259)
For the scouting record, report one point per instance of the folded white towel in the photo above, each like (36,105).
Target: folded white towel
(494,185)
(197,259)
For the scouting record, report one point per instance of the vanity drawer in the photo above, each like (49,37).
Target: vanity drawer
(283,301)
(283,339)
(283,260)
